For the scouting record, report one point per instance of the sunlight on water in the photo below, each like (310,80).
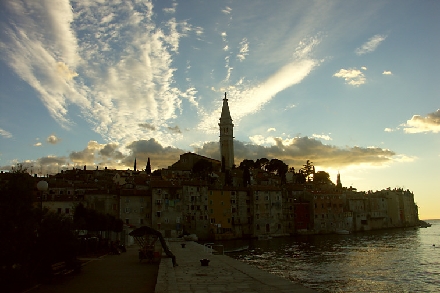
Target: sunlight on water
(378,261)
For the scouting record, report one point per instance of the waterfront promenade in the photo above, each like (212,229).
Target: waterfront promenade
(106,274)
(223,274)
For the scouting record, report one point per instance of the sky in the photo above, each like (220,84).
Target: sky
(352,86)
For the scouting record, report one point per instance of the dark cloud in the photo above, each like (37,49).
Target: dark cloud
(52,160)
(174,129)
(161,157)
(295,154)
(110,150)
(302,149)
(147,126)
(85,156)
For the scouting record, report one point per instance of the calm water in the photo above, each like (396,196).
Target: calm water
(380,261)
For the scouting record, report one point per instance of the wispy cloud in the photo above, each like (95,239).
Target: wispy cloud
(5,133)
(371,45)
(249,98)
(322,136)
(418,124)
(386,72)
(227,10)
(244,49)
(353,76)
(112,61)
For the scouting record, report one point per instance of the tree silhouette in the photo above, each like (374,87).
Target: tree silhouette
(321,177)
(308,170)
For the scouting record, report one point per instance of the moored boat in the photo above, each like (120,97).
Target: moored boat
(342,232)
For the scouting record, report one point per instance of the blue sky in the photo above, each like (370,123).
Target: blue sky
(352,86)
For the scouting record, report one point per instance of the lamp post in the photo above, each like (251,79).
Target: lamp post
(42,186)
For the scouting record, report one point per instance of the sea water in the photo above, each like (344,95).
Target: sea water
(396,260)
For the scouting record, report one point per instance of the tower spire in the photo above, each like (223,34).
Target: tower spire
(226,137)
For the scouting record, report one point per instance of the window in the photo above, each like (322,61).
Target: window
(127,210)
(141,221)
(59,210)
(158,214)
(67,211)
(127,221)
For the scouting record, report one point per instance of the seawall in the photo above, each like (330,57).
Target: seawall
(222,274)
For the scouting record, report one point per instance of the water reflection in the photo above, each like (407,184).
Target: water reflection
(378,261)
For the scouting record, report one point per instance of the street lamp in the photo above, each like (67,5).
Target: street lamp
(42,186)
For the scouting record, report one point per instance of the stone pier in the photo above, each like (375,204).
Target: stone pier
(222,274)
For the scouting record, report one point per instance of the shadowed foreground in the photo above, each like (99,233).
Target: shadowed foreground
(109,273)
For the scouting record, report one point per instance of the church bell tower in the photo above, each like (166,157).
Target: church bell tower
(226,137)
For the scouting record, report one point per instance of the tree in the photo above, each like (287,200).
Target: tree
(249,164)
(279,168)
(261,163)
(308,170)
(18,224)
(321,177)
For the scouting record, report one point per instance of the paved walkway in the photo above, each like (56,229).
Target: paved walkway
(223,274)
(107,274)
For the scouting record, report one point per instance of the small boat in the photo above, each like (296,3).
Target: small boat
(240,249)
(191,237)
(264,237)
(342,232)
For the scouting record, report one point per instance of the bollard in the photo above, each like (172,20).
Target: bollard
(204,262)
